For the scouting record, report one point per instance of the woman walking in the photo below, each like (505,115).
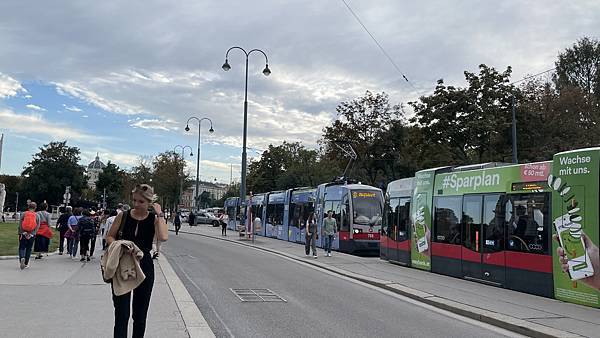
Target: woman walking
(87,231)
(311,236)
(141,227)
(44,233)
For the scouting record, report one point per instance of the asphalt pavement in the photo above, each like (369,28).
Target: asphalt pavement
(317,303)
(516,311)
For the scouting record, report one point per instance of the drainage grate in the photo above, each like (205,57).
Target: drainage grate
(257,295)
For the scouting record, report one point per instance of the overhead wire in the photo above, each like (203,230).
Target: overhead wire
(378,44)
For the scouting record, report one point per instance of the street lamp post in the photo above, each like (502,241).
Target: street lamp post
(182,157)
(211,130)
(266,72)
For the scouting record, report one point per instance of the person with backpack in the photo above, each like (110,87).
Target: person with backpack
(62,226)
(28,226)
(44,233)
(87,231)
(311,236)
(94,218)
(72,233)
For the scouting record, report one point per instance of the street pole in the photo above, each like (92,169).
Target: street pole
(17,203)
(266,72)
(211,130)
(514,132)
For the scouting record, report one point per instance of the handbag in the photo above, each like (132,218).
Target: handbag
(119,235)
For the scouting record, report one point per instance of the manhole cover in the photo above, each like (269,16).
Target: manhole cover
(257,295)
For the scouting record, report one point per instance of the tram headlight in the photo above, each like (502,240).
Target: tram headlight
(357,231)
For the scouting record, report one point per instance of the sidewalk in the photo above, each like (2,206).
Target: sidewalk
(59,297)
(520,312)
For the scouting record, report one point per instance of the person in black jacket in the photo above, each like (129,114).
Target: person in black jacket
(87,231)
(62,226)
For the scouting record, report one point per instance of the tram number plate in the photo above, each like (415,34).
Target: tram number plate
(370,236)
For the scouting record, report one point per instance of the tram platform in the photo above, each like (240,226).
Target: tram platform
(519,312)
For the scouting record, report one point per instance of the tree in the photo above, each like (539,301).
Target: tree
(579,66)
(168,173)
(51,170)
(13,185)
(472,123)
(361,122)
(111,179)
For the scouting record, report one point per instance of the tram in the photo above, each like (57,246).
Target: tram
(301,202)
(493,223)
(358,210)
(232,209)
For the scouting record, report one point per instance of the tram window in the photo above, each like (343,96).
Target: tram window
(446,227)
(528,223)
(231,212)
(403,212)
(391,220)
(275,214)
(471,221)
(345,224)
(493,220)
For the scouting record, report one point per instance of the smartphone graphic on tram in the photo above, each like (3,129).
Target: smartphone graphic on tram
(570,237)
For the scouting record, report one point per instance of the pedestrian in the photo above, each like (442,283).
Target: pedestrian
(28,227)
(191,218)
(141,227)
(72,233)
(94,217)
(119,208)
(107,226)
(311,235)
(224,220)
(105,216)
(62,226)
(44,233)
(87,230)
(177,222)
(256,225)
(329,230)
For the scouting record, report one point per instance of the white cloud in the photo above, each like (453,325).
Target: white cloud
(72,108)
(33,124)
(9,86)
(157,124)
(123,160)
(27,96)
(76,90)
(34,107)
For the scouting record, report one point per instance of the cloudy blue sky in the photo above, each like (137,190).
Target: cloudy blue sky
(121,78)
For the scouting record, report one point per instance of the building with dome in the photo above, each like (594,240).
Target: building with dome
(93,172)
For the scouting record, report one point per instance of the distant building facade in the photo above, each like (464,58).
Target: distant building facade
(93,172)
(216,191)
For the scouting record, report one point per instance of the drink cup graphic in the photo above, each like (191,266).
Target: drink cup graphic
(420,230)
(570,238)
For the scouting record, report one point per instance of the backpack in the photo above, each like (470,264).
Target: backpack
(29,221)
(87,227)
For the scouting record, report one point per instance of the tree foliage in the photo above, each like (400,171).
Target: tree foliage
(168,171)
(111,179)
(51,170)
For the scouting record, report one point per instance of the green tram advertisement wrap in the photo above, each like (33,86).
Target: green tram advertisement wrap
(575,186)
(420,214)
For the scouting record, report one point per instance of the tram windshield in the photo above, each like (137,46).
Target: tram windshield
(366,206)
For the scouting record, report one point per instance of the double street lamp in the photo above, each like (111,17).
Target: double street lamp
(266,72)
(183,158)
(211,130)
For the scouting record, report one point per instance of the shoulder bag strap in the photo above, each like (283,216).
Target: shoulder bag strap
(123,220)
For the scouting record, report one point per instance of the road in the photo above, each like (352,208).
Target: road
(319,304)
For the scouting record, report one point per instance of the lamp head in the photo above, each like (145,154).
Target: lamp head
(226,66)
(187,128)
(267,71)
(211,130)
(191,154)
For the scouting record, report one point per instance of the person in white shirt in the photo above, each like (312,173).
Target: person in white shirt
(107,225)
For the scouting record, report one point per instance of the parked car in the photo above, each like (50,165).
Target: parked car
(207,218)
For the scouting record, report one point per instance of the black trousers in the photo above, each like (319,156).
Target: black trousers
(61,245)
(223,229)
(141,303)
(177,227)
(92,245)
(84,244)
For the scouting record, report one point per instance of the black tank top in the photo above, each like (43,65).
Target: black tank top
(145,231)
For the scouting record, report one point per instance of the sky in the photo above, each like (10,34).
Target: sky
(120,79)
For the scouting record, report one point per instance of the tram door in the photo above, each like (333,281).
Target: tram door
(483,226)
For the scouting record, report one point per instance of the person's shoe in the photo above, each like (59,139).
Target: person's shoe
(315,256)
(88,258)
(82,259)
(22,263)
(307,255)
(26,266)
(60,253)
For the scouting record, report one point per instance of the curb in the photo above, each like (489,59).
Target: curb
(513,324)
(2,258)
(195,324)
